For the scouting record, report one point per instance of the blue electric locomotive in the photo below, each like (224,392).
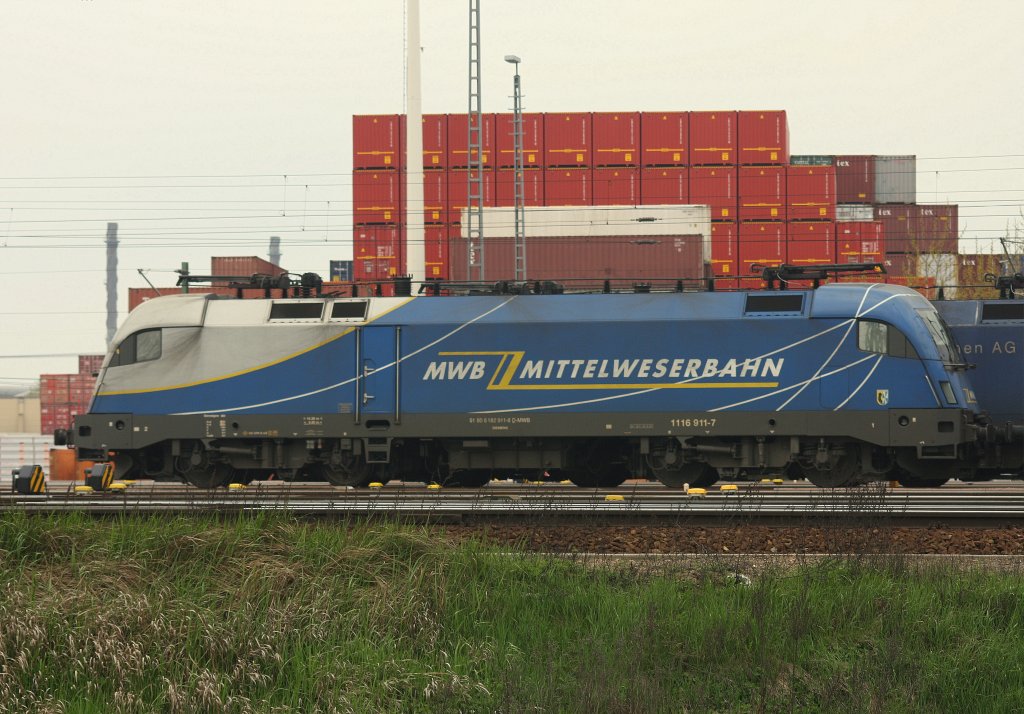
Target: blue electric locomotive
(844,384)
(990,336)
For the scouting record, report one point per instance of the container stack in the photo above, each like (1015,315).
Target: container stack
(878,205)
(616,158)
(435,194)
(64,396)
(665,176)
(811,213)
(766,207)
(763,139)
(567,156)
(377,195)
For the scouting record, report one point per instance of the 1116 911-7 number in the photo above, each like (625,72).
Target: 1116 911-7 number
(693,422)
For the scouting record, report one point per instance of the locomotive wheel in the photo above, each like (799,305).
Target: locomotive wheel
(909,480)
(696,473)
(921,482)
(199,470)
(357,474)
(611,476)
(598,467)
(845,472)
(469,478)
(213,476)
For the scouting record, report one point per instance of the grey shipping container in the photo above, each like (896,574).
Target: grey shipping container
(811,160)
(895,179)
(846,212)
(341,271)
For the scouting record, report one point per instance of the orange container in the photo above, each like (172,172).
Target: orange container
(64,466)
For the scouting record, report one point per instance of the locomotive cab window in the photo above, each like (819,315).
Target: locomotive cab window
(883,339)
(143,346)
(940,333)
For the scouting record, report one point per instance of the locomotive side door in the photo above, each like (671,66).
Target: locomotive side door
(378,371)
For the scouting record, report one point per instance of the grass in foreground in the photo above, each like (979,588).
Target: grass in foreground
(272,615)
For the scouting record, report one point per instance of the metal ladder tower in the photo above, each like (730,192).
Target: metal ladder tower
(474,145)
(519,192)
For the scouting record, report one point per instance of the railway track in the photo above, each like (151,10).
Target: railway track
(791,502)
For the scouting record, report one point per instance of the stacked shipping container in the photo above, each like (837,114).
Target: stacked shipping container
(63,396)
(377,203)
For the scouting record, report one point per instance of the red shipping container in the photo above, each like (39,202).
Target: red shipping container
(872,241)
(616,186)
(54,388)
(811,231)
(567,139)
(714,186)
(376,197)
(567,187)
(932,228)
(436,251)
(668,185)
(81,388)
(712,138)
(762,193)
(435,141)
(855,179)
(90,364)
(751,284)
(724,248)
(900,265)
(377,269)
(585,261)
(533,141)
(377,252)
(458,141)
(376,141)
(761,244)
(664,138)
(972,268)
(811,252)
(810,193)
(137,296)
(435,197)
(458,192)
(895,219)
(763,137)
(616,138)
(848,245)
(242,267)
(533,187)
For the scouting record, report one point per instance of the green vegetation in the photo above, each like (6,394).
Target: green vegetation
(274,615)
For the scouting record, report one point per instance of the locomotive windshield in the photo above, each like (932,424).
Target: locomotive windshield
(142,346)
(884,339)
(940,334)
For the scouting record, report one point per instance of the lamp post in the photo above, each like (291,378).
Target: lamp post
(519,183)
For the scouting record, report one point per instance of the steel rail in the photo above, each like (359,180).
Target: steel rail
(641,500)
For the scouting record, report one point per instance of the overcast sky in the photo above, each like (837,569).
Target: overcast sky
(204,128)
